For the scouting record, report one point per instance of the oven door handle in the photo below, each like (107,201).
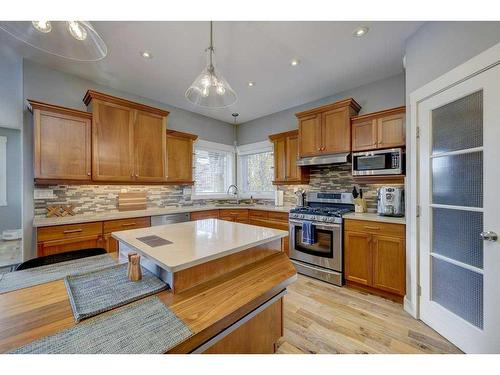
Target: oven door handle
(317,225)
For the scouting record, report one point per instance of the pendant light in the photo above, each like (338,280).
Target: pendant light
(210,89)
(75,40)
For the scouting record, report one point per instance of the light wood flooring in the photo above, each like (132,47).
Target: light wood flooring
(322,318)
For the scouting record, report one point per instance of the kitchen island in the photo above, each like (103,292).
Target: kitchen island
(228,281)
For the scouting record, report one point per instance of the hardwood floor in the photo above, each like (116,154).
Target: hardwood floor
(322,318)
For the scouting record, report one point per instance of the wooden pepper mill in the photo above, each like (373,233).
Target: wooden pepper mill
(129,263)
(135,268)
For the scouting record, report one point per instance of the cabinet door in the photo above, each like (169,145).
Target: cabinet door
(62,146)
(112,141)
(69,244)
(310,135)
(364,135)
(280,167)
(389,264)
(357,254)
(150,147)
(336,131)
(179,159)
(292,152)
(391,131)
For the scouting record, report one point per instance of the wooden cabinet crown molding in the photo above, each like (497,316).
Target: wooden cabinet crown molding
(350,102)
(91,94)
(374,115)
(178,134)
(290,133)
(34,104)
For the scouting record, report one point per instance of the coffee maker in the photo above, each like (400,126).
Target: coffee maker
(391,201)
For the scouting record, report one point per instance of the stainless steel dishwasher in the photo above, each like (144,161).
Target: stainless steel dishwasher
(170,219)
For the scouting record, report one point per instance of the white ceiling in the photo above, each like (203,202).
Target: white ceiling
(332,60)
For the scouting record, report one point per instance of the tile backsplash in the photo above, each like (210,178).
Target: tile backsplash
(104,198)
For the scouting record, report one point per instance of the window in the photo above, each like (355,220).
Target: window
(3,171)
(256,170)
(213,169)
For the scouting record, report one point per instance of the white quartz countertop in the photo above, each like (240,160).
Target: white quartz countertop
(374,217)
(114,215)
(197,242)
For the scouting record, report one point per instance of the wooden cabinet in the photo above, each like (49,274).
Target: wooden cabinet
(327,129)
(271,219)
(201,215)
(374,256)
(378,130)
(128,140)
(286,170)
(62,143)
(180,157)
(62,238)
(236,215)
(109,226)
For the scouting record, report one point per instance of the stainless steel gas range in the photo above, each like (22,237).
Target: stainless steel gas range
(321,259)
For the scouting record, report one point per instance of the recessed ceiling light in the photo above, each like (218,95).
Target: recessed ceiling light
(360,31)
(147,54)
(42,26)
(294,62)
(251,83)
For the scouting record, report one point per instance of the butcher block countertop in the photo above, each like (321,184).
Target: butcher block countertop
(114,215)
(208,309)
(197,242)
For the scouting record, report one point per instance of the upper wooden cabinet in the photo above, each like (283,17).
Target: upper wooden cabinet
(62,143)
(180,156)
(286,152)
(326,129)
(383,129)
(128,140)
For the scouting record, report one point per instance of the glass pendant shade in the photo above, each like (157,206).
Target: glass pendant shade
(210,89)
(75,40)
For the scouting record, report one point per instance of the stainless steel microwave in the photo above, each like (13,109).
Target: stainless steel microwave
(378,162)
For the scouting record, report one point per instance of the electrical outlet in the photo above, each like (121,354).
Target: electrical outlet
(187,191)
(44,194)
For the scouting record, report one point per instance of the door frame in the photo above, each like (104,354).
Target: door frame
(476,65)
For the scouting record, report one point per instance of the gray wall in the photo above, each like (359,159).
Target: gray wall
(10,215)
(11,86)
(438,47)
(372,97)
(55,87)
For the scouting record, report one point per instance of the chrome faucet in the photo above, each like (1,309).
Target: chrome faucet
(235,192)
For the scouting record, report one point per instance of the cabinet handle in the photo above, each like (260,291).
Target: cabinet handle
(72,231)
(88,174)
(372,228)
(128,224)
(319,149)
(136,175)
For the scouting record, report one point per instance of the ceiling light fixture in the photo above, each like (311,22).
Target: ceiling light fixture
(42,26)
(251,84)
(210,89)
(75,40)
(360,31)
(294,62)
(147,54)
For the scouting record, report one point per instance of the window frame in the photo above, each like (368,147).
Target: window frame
(220,147)
(3,171)
(250,149)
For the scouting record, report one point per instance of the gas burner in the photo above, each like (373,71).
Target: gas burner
(324,207)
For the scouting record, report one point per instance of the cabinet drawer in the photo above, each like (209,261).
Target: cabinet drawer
(69,231)
(375,227)
(209,214)
(125,224)
(279,216)
(239,214)
(258,214)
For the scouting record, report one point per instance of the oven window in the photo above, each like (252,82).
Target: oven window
(323,247)
(366,163)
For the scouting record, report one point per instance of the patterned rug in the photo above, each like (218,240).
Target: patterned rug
(44,274)
(143,327)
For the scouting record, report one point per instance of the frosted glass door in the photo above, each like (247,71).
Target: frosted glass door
(459,163)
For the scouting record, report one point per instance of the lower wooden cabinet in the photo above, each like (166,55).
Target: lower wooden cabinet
(374,256)
(201,215)
(62,238)
(238,215)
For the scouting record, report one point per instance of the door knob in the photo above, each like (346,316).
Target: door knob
(489,236)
